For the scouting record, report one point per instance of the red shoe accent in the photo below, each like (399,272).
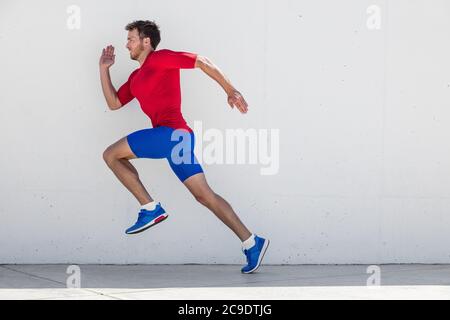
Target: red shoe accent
(160,219)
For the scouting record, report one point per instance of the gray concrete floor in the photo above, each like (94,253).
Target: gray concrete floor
(181,282)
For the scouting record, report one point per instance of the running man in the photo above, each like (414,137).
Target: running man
(156,85)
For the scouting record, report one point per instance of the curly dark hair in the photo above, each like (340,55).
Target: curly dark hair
(146,29)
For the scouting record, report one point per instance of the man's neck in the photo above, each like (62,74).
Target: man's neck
(143,56)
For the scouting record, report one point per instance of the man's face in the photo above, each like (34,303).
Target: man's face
(135,44)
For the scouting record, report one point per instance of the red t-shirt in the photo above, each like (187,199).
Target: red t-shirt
(156,85)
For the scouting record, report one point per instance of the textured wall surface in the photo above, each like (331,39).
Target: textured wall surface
(359,91)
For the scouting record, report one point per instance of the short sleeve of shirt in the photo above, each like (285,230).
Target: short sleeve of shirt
(124,93)
(177,59)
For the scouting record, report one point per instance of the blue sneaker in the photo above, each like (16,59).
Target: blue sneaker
(255,254)
(147,219)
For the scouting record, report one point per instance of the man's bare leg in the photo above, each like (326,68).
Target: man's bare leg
(117,158)
(200,189)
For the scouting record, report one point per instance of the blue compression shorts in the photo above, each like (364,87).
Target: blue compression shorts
(175,145)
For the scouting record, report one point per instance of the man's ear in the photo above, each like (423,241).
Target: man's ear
(147,41)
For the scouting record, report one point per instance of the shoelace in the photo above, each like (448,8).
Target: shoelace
(141,214)
(246,255)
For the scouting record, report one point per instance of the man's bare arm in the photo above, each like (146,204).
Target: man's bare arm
(106,61)
(234,97)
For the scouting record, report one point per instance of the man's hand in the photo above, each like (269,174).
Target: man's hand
(107,58)
(236,99)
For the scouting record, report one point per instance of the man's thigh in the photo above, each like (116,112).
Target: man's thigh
(153,143)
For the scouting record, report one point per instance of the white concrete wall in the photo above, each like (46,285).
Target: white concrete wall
(363,116)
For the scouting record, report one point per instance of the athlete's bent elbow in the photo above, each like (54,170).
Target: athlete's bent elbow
(115,105)
(201,62)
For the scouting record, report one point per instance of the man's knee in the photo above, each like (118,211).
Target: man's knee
(108,156)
